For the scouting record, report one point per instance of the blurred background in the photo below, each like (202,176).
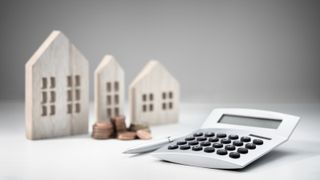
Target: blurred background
(246,51)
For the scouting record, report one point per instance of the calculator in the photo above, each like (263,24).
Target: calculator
(230,138)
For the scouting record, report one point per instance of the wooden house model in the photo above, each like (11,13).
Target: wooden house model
(154,96)
(56,99)
(108,89)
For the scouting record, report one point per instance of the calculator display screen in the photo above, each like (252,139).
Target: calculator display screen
(250,121)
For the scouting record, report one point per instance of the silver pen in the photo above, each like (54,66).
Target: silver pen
(151,146)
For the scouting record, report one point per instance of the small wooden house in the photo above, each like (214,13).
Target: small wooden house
(154,96)
(109,89)
(56,90)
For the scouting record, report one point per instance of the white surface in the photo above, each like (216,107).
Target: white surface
(81,157)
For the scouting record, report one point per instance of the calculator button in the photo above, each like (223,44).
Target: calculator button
(233,136)
(193,143)
(198,134)
(250,146)
(222,152)
(205,143)
(209,134)
(230,147)
(171,147)
(209,149)
(242,150)
(184,147)
(190,138)
(221,135)
(181,142)
(213,139)
(257,141)
(201,138)
(225,141)
(196,148)
(245,139)
(237,143)
(234,155)
(217,145)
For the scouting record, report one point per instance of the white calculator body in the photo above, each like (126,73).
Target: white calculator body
(230,139)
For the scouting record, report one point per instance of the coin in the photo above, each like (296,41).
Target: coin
(138,126)
(119,123)
(144,134)
(126,135)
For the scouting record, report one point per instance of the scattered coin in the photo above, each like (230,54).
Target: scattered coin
(144,134)
(126,135)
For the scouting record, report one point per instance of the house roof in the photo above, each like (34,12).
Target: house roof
(107,60)
(148,68)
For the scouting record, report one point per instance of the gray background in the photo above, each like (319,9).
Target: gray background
(220,51)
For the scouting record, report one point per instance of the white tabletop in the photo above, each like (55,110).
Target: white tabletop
(80,157)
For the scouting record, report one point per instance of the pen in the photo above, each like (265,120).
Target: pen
(147,147)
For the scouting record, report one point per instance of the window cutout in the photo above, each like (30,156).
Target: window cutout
(164,95)
(170,105)
(144,97)
(52,82)
(44,83)
(108,87)
(52,96)
(52,110)
(78,108)
(170,95)
(116,99)
(151,107)
(151,97)
(108,100)
(116,86)
(44,111)
(77,80)
(69,95)
(69,79)
(44,97)
(116,111)
(69,108)
(164,106)
(77,94)
(144,108)
(109,112)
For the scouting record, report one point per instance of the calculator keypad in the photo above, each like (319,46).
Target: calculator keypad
(221,144)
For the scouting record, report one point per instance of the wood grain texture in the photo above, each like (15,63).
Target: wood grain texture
(109,89)
(49,93)
(154,96)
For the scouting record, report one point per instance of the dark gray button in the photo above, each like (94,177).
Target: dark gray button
(257,141)
(181,142)
(205,143)
(171,147)
(230,147)
(237,143)
(234,155)
(214,139)
(201,138)
(196,148)
(209,149)
(209,134)
(198,134)
(193,143)
(225,141)
(184,147)
(222,152)
(245,139)
(221,135)
(217,145)
(190,138)
(242,150)
(250,146)
(233,136)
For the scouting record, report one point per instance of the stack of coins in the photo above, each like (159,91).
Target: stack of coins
(117,128)
(102,130)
